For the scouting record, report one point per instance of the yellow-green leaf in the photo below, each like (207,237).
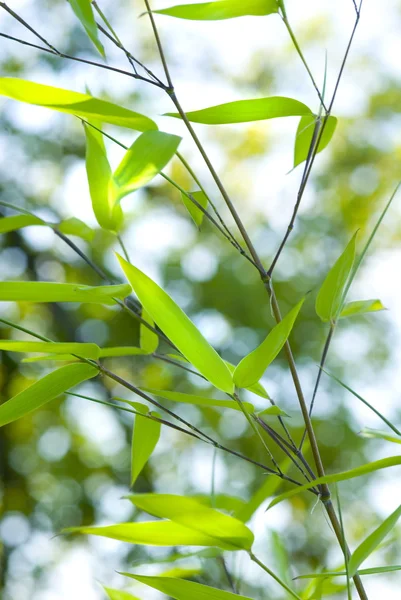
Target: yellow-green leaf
(370,544)
(40,291)
(381,435)
(189,512)
(371,571)
(74,103)
(329,298)
(305,134)
(108,214)
(148,339)
(257,388)
(195,212)
(178,328)
(361,307)
(180,589)
(371,467)
(145,435)
(121,351)
(44,390)
(151,533)
(119,594)
(198,400)
(83,10)
(85,350)
(252,366)
(273,411)
(244,111)
(147,156)
(222,9)
(74,226)
(18,222)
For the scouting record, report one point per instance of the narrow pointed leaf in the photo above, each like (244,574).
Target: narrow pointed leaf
(74,226)
(371,571)
(178,328)
(82,349)
(361,307)
(44,390)
(244,111)
(147,156)
(273,411)
(189,512)
(305,134)
(108,214)
(252,367)
(257,388)
(74,103)
(119,594)
(222,9)
(40,291)
(381,435)
(18,222)
(180,589)
(384,463)
(148,339)
(372,408)
(195,212)
(83,10)
(121,351)
(198,400)
(328,300)
(151,533)
(145,435)
(370,544)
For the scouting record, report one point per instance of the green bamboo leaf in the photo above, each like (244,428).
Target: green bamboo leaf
(108,214)
(119,594)
(361,307)
(372,408)
(257,388)
(281,557)
(227,532)
(198,400)
(267,489)
(48,357)
(381,435)
(273,411)
(151,533)
(252,366)
(195,212)
(181,573)
(148,339)
(371,571)
(85,350)
(305,133)
(74,226)
(44,390)
(329,298)
(145,435)
(74,103)
(222,9)
(244,111)
(40,291)
(179,589)
(121,351)
(370,544)
(103,353)
(371,467)
(178,328)
(83,10)
(147,156)
(18,222)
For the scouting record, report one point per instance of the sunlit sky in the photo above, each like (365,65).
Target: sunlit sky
(190,45)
